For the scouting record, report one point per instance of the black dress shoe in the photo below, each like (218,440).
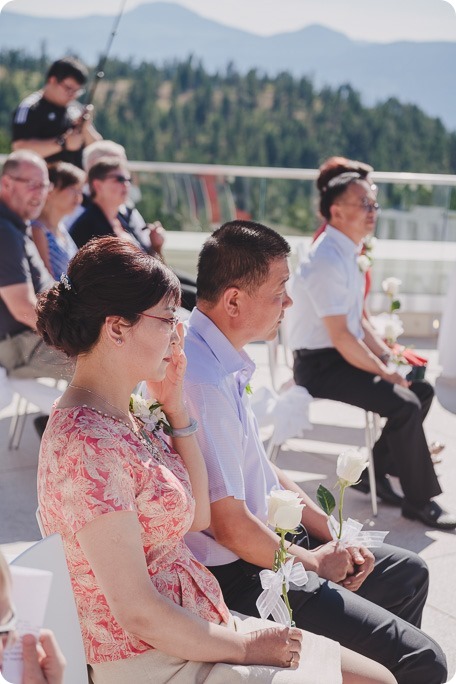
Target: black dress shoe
(385,492)
(431,515)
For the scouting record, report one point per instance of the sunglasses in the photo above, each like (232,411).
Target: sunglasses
(119,178)
(170,321)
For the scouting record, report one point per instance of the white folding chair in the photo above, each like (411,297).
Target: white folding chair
(29,392)
(61,614)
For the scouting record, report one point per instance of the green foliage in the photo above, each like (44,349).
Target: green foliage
(179,112)
(325,500)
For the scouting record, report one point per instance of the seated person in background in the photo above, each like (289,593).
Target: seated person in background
(150,237)
(24,185)
(52,239)
(242,274)
(43,660)
(122,499)
(50,122)
(109,182)
(337,356)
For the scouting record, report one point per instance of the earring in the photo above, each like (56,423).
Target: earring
(119,340)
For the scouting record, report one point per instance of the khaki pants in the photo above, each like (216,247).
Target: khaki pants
(27,356)
(320,664)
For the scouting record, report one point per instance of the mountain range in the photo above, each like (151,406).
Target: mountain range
(421,73)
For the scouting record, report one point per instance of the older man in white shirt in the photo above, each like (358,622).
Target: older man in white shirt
(338,356)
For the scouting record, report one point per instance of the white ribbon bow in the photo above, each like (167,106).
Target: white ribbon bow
(352,535)
(270,601)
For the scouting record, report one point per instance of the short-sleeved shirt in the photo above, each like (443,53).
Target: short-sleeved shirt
(37,118)
(93,223)
(215,382)
(20,263)
(91,465)
(328,283)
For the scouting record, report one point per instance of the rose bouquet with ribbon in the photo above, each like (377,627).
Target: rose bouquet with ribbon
(350,465)
(284,515)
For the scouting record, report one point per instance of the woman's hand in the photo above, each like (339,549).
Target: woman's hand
(169,391)
(278,646)
(43,661)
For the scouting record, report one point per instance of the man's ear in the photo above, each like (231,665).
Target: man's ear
(231,301)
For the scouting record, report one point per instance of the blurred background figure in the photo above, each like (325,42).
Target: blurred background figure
(50,121)
(50,235)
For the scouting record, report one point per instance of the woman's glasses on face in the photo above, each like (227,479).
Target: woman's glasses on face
(172,322)
(8,631)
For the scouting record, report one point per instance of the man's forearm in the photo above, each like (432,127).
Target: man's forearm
(358,354)
(45,148)
(373,341)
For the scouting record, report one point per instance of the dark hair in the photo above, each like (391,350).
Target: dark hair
(68,67)
(335,166)
(63,175)
(336,187)
(107,277)
(238,254)
(102,168)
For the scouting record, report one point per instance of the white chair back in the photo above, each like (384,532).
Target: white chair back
(61,615)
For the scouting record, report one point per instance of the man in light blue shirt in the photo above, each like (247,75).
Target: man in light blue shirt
(338,356)
(242,274)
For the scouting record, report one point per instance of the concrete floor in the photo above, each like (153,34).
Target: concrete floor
(309,463)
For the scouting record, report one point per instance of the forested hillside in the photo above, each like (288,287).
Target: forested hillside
(182,113)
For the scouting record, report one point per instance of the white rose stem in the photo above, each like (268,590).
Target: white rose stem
(279,560)
(343,486)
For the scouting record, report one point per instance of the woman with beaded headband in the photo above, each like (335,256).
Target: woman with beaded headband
(122,499)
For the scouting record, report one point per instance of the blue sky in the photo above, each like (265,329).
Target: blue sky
(371,20)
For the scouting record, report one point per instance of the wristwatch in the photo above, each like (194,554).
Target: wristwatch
(61,141)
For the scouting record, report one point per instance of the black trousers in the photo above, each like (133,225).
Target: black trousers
(402,448)
(381,620)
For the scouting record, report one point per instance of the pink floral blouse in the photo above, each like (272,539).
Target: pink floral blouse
(90,465)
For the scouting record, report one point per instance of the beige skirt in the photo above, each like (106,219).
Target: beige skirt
(319,664)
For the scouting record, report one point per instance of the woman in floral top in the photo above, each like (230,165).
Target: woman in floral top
(123,500)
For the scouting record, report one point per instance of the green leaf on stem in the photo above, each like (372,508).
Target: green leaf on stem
(325,500)
(395,305)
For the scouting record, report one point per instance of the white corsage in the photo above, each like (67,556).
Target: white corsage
(149,412)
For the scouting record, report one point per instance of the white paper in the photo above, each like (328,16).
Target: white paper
(30,596)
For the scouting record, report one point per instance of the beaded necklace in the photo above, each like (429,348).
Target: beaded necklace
(132,423)
(140,433)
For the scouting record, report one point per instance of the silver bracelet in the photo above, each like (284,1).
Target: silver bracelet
(186,431)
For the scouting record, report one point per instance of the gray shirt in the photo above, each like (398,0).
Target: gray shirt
(20,263)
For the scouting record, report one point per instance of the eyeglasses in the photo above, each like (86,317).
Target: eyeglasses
(119,178)
(171,321)
(8,629)
(71,90)
(364,204)
(33,185)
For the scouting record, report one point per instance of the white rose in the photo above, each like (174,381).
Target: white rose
(350,465)
(391,286)
(363,263)
(284,509)
(370,242)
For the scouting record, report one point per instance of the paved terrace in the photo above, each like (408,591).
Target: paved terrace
(309,463)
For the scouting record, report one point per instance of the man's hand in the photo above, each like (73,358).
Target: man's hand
(395,378)
(334,562)
(74,139)
(43,662)
(363,561)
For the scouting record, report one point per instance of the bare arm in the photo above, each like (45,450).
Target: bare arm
(236,528)
(356,352)
(373,340)
(112,546)
(42,245)
(313,518)
(44,148)
(20,300)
